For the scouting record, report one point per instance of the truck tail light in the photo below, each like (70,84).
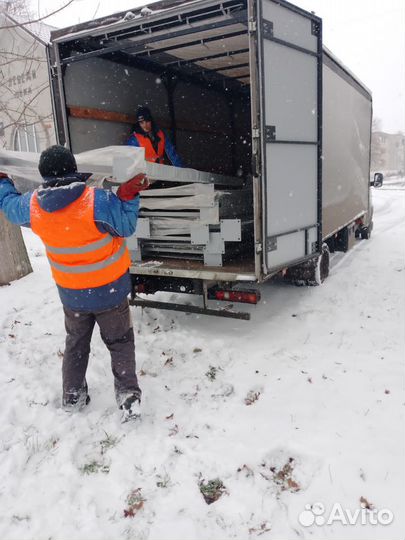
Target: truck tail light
(245,297)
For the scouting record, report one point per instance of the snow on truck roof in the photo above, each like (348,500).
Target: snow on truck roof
(123,17)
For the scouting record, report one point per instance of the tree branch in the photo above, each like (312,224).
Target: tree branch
(40,18)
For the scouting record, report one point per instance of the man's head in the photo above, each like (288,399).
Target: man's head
(144,119)
(56,162)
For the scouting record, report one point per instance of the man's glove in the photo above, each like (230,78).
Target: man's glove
(130,189)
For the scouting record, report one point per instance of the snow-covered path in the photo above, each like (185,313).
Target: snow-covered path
(302,404)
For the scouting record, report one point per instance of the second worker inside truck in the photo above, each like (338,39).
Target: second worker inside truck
(158,147)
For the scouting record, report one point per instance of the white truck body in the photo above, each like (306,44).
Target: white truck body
(241,85)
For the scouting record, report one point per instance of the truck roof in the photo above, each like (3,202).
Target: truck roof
(337,61)
(122,18)
(119,22)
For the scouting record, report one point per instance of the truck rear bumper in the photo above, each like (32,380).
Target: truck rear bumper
(194,270)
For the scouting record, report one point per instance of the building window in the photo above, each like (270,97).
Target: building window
(26,139)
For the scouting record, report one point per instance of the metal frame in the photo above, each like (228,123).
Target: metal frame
(256,146)
(55,95)
(139,46)
(207,57)
(202,41)
(219,274)
(266,32)
(193,73)
(225,68)
(117,23)
(59,70)
(190,309)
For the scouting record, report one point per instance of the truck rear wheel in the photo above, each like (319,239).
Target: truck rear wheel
(365,233)
(323,264)
(312,272)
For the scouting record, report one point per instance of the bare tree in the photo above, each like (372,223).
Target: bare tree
(26,119)
(23,79)
(21,87)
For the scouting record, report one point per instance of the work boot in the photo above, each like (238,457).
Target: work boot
(131,407)
(76,400)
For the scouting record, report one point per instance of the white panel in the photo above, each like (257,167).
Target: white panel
(289,248)
(290,95)
(346,145)
(291,187)
(290,26)
(291,92)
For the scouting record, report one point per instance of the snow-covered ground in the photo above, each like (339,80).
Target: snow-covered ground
(304,404)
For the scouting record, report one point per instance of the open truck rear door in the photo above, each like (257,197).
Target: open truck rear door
(289,89)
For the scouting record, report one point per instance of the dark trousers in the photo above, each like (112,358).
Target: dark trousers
(117,333)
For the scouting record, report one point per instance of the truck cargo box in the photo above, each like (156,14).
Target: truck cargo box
(246,90)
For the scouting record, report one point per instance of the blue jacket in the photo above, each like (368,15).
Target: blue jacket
(111,215)
(169,149)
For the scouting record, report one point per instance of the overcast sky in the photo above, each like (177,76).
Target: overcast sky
(367,35)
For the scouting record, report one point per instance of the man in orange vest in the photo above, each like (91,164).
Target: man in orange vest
(83,229)
(148,135)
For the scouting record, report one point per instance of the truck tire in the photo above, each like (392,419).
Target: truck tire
(323,263)
(312,272)
(365,233)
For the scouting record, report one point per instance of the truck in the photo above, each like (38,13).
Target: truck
(247,91)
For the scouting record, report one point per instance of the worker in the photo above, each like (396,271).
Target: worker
(148,135)
(83,229)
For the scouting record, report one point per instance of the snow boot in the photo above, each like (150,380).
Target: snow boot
(76,400)
(131,408)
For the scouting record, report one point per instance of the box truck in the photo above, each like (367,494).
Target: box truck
(249,95)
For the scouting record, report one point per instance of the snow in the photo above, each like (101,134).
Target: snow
(302,405)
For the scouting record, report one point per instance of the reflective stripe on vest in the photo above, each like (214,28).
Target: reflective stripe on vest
(81,249)
(150,152)
(83,268)
(79,254)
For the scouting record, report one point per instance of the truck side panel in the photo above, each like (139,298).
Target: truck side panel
(347,111)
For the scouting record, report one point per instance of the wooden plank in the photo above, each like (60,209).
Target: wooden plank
(99,114)
(87,113)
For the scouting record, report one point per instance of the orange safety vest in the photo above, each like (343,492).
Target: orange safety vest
(150,153)
(80,255)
